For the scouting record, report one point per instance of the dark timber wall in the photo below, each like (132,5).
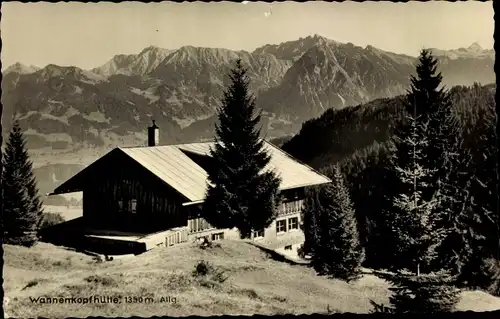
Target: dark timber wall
(120,178)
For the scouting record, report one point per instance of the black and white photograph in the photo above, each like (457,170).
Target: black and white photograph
(248,158)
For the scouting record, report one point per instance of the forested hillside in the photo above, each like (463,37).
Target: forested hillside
(338,134)
(358,139)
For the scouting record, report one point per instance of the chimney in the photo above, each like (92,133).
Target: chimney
(153,135)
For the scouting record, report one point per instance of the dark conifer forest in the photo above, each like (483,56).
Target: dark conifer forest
(360,140)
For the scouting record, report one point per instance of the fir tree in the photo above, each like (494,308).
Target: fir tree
(312,216)
(423,294)
(478,225)
(21,204)
(241,193)
(455,218)
(410,219)
(310,223)
(341,252)
(431,104)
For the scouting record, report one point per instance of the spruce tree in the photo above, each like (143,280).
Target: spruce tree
(332,235)
(429,101)
(454,218)
(476,224)
(341,251)
(311,215)
(241,193)
(22,207)
(423,294)
(410,219)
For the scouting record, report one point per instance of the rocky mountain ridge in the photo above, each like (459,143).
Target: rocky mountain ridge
(111,105)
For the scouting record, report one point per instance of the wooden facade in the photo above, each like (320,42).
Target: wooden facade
(119,194)
(128,191)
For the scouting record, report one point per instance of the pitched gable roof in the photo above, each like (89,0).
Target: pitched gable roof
(175,168)
(292,173)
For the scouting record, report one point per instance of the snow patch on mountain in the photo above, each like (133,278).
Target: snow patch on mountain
(96,117)
(78,90)
(55,102)
(71,111)
(149,94)
(51,137)
(342,99)
(185,122)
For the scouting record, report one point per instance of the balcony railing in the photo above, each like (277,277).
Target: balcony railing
(291,207)
(197,225)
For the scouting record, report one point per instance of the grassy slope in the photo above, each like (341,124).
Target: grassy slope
(256,284)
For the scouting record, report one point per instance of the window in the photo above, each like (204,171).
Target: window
(125,205)
(289,247)
(133,206)
(293,223)
(218,236)
(258,233)
(281,226)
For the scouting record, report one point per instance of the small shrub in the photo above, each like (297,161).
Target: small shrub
(251,293)
(380,308)
(280,298)
(32,283)
(204,269)
(208,244)
(101,280)
(51,219)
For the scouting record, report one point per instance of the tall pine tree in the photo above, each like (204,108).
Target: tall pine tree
(241,193)
(21,204)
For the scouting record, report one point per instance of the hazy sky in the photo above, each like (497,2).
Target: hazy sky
(88,34)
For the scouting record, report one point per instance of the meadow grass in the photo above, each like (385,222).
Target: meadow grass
(255,284)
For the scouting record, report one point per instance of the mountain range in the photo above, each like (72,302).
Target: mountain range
(68,108)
